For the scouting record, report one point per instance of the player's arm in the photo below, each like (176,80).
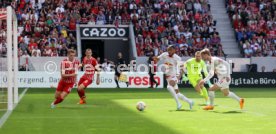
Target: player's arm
(204,68)
(77,68)
(67,75)
(98,71)
(160,57)
(186,68)
(205,71)
(82,63)
(179,67)
(209,76)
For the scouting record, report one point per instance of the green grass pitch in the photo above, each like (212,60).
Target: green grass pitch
(113,111)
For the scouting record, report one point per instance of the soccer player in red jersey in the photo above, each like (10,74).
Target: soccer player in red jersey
(69,68)
(90,66)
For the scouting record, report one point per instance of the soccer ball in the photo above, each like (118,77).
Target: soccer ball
(140,106)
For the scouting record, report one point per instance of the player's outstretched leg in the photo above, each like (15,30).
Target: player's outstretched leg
(184,98)
(60,96)
(205,95)
(201,90)
(211,97)
(212,90)
(81,93)
(232,95)
(173,93)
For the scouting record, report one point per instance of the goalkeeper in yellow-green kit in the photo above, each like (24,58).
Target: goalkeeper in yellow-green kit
(194,67)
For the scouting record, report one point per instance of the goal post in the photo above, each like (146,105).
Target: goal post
(9,57)
(10,60)
(15,58)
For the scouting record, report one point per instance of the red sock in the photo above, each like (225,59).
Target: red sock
(58,100)
(81,93)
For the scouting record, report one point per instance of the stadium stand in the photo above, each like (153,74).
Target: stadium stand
(254,22)
(47,28)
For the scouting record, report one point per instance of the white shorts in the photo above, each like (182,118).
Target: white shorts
(173,78)
(223,83)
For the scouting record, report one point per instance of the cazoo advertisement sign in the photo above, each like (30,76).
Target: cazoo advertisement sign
(104,32)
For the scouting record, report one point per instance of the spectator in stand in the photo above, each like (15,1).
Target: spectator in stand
(263,69)
(54,53)
(23,65)
(32,45)
(47,51)
(36,52)
(101,18)
(253,22)
(99,60)
(248,51)
(3,49)
(63,50)
(107,65)
(22,45)
(159,22)
(52,44)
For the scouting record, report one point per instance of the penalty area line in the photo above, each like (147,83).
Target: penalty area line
(5,117)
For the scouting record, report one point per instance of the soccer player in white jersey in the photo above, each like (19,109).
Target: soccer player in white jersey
(223,71)
(172,73)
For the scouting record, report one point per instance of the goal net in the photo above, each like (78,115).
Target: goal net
(8,59)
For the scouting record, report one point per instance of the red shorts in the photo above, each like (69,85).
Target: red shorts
(66,87)
(86,82)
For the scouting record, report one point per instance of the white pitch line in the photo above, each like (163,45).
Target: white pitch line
(244,110)
(9,112)
(5,117)
(20,97)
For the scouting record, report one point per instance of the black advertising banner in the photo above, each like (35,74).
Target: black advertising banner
(104,32)
(241,79)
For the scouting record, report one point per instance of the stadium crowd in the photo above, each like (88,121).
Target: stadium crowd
(48,27)
(254,22)
(186,23)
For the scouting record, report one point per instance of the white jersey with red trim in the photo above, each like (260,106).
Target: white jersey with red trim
(172,63)
(220,67)
(69,67)
(90,66)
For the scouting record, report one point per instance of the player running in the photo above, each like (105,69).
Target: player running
(194,67)
(69,68)
(90,65)
(172,61)
(222,69)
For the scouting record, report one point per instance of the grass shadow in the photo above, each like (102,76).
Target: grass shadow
(228,112)
(104,116)
(201,104)
(182,110)
(233,112)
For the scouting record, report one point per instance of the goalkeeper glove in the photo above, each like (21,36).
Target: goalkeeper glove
(209,83)
(184,78)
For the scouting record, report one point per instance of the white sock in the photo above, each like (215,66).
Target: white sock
(183,97)
(212,97)
(234,96)
(171,90)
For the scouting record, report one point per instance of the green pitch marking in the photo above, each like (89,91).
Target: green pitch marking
(112,111)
